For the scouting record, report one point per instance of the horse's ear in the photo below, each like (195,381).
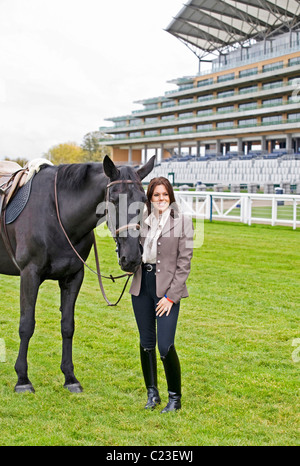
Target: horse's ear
(146,169)
(110,169)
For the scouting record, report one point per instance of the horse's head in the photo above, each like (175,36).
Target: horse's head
(125,200)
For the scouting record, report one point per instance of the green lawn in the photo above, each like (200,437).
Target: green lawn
(235,341)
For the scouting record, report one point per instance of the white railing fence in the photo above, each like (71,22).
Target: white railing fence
(273,209)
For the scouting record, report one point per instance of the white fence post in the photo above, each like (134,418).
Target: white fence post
(295,214)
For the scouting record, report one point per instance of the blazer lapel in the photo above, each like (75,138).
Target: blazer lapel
(171,223)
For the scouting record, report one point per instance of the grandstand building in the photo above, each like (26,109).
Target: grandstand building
(244,111)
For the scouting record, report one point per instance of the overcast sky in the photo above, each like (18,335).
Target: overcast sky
(66,65)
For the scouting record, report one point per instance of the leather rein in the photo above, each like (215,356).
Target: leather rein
(116,233)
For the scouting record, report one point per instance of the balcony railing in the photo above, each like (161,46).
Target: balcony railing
(196,131)
(205,115)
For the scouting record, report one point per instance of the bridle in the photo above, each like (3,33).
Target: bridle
(115,235)
(129,226)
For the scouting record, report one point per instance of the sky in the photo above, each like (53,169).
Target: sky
(66,65)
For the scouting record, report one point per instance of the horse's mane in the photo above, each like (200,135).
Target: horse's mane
(73,176)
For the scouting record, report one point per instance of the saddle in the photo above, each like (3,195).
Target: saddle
(12,177)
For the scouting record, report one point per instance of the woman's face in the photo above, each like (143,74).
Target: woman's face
(160,198)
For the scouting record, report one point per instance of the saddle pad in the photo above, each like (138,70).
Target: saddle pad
(18,203)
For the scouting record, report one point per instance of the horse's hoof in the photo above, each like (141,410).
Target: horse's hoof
(74,387)
(24,388)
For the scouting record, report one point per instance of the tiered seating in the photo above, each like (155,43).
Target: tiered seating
(232,171)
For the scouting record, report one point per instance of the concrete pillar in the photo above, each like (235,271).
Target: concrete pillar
(161,152)
(218,145)
(198,149)
(289,141)
(240,145)
(179,149)
(263,142)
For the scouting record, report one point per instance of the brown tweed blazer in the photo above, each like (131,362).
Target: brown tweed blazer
(173,261)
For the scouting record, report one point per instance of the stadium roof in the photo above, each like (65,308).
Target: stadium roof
(207,26)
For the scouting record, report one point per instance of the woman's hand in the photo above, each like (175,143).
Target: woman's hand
(163,306)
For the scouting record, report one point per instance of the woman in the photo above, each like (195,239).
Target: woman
(158,285)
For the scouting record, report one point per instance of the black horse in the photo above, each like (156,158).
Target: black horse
(42,251)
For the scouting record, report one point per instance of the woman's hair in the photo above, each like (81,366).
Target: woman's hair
(161,180)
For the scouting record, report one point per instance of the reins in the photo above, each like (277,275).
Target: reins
(117,231)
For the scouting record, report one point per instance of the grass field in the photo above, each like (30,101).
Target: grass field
(235,340)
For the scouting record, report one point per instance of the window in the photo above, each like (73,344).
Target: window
(167,117)
(294,116)
(185,86)
(225,77)
(272,66)
(206,111)
(119,124)
(202,98)
(205,127)
(272,84)
(136,121)
(135,134)
(247,106)
(248,122)
(245,90)
(227,108)
(152,132)
(121,136)
(248,72)
(150,106)
(186,115)
(271,119)
(185,101)
(272,102)
(151,120)
(205,82)
(185,129)
(223,94)
(170,103)
(167,131)
(225,124)
(294,61)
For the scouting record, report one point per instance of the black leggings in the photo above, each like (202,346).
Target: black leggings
(144,307)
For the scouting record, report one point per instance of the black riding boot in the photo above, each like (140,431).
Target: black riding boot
(149,367)
(173,376)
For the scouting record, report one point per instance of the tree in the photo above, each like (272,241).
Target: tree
(94,151)
(68,152)
(21,161)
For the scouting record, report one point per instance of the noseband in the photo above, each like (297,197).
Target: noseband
(128,226)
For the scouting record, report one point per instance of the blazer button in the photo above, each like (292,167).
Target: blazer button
(158,261)
(158,270)
(159,244)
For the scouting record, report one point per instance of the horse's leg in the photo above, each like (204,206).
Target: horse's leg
(70,287)
(30,282)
